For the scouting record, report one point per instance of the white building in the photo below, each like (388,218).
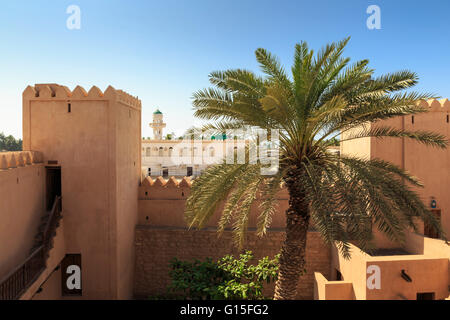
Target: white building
(181,157)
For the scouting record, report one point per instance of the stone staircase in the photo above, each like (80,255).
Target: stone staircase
(39,238)
(24,275)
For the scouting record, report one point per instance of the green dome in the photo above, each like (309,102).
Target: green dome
(157,112)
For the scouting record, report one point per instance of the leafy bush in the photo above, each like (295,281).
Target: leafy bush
(226,279)
(9,143)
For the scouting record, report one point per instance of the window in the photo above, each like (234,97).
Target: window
(53,185)
(428,229)
(71,275)
(170,151)
(148,152)
(425,295)
(161,151)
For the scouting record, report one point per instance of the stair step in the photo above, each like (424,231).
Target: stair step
(39,237)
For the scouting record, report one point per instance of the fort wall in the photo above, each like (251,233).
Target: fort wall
(94,137)
(22,204)
(162,234)
(429,164)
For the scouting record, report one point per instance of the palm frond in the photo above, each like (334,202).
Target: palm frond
(428,138)
(324,96)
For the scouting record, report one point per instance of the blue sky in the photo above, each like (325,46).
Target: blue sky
(162,51)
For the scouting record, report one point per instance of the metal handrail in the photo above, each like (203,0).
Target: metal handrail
(19,280)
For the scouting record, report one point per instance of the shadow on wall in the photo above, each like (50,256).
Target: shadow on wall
(162,234)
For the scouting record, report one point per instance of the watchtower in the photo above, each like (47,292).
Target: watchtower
(158,125)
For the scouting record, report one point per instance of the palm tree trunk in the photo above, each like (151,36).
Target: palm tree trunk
(292,258)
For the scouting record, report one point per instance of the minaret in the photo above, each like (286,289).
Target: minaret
(157,125)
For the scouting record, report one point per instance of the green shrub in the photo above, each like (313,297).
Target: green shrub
(226,279)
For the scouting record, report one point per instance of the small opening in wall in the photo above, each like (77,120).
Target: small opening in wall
(146,193)
(447,118)
(182,194)
(425,296)
(71,273)
(69,107)
(146,218)
(17,180)
(52,185)
(412,119)
(339,275)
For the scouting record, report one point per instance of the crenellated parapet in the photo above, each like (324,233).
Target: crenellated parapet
(11,160)
(128,99)
(161,188)
(172,188)
(172,182)
(162,203)
(52,101)
(58,92)
(442,105)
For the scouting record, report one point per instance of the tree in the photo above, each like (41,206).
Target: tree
(229,278)
(9,143)
(341,196)
(169,136)
(334,141)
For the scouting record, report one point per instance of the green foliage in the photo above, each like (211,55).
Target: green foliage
(170,136)
(333,142)
(322,97)
(9,143)
(226,279)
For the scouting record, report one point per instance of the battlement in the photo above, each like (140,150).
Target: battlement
(442,105)
(172,188)
(10,160)
(56,92)
(160,188)
(160,182)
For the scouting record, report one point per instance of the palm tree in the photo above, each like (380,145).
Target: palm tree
(341,196)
